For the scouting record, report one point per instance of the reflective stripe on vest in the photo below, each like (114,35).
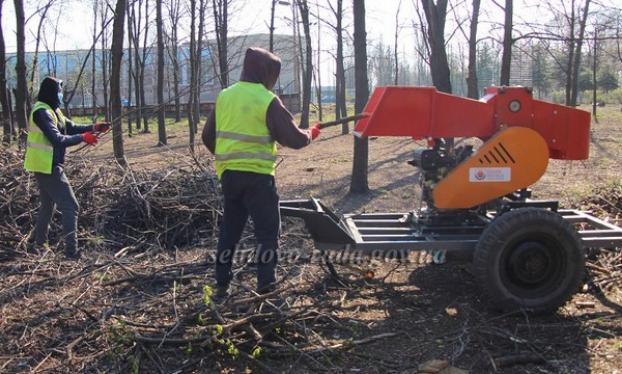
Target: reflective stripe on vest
(39,150)
(243,141)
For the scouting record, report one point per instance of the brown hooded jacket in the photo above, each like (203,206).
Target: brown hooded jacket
(261,66)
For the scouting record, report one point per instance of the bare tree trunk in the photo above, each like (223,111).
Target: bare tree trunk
(577,57)
(435,15)
(20,71)
(221,20)
(198,64)
(506,57)
(397,33)
(130,73)
(472,85)
(594,80)
(571,49)
(192,58)
(160,88)
(358,183)
(317,68)
(308,65)
(94,63)
(4,101)
(143,101)
(35,58)
(174,14)
(135,40)
(104,54)
(340,76)
(271,28)
(115,81)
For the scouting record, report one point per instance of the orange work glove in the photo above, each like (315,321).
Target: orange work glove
(89,138)
(315,131)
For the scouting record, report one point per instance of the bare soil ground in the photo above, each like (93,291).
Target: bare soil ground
(62,316)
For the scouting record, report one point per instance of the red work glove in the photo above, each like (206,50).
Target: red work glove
(89,138)
(101,126)
(315,131)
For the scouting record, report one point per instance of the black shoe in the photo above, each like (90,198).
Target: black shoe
(74,254)
(221,295)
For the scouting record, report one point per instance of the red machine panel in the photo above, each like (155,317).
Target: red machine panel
(423,112)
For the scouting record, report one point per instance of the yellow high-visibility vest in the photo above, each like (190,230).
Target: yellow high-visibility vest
(243,141)
(39,149)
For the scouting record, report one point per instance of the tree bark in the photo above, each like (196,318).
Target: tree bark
(141,81)
(308,68)
(192,58)
(577,57)
(94,63)
(104,57)
(271,28)
(317,68)
(396,68)
(4,101)
(359,183)
(35,59)
(435,15)
(198,65)
(221,20)
(130,73)
(174,15)
(472,84)
(115,81)
(506,57)
(341,110)
(20,71)
(160,87)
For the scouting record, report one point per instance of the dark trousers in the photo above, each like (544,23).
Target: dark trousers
(55,191)
(249,194)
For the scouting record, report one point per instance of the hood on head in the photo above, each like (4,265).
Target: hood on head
(48,91)
(261,66)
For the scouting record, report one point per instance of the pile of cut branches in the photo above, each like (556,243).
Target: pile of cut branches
(118,207)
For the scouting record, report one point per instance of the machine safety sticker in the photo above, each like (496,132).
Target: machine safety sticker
(487,175)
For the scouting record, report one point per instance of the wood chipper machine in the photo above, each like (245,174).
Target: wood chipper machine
(526,254)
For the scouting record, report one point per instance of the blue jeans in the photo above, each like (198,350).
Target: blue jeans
(249,194)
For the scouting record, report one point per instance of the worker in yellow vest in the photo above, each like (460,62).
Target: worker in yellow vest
(49,134)
(242,132)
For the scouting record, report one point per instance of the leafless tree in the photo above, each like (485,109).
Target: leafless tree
(317,71)
(20,71)
(160,85)
(174,11)
(359,183)
(221,28)
(436,14)
(340,75)
(105,55)
(506,57)
(307,68)
(94,61)
(4,101)
(42,12)
(140,29)
(130,69)
(472,84)
(115,80)
(396,69)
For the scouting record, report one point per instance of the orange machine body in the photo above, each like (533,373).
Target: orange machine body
(520,135)
(515,158)
(423,112)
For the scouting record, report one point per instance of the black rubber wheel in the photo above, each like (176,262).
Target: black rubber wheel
(530,259)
